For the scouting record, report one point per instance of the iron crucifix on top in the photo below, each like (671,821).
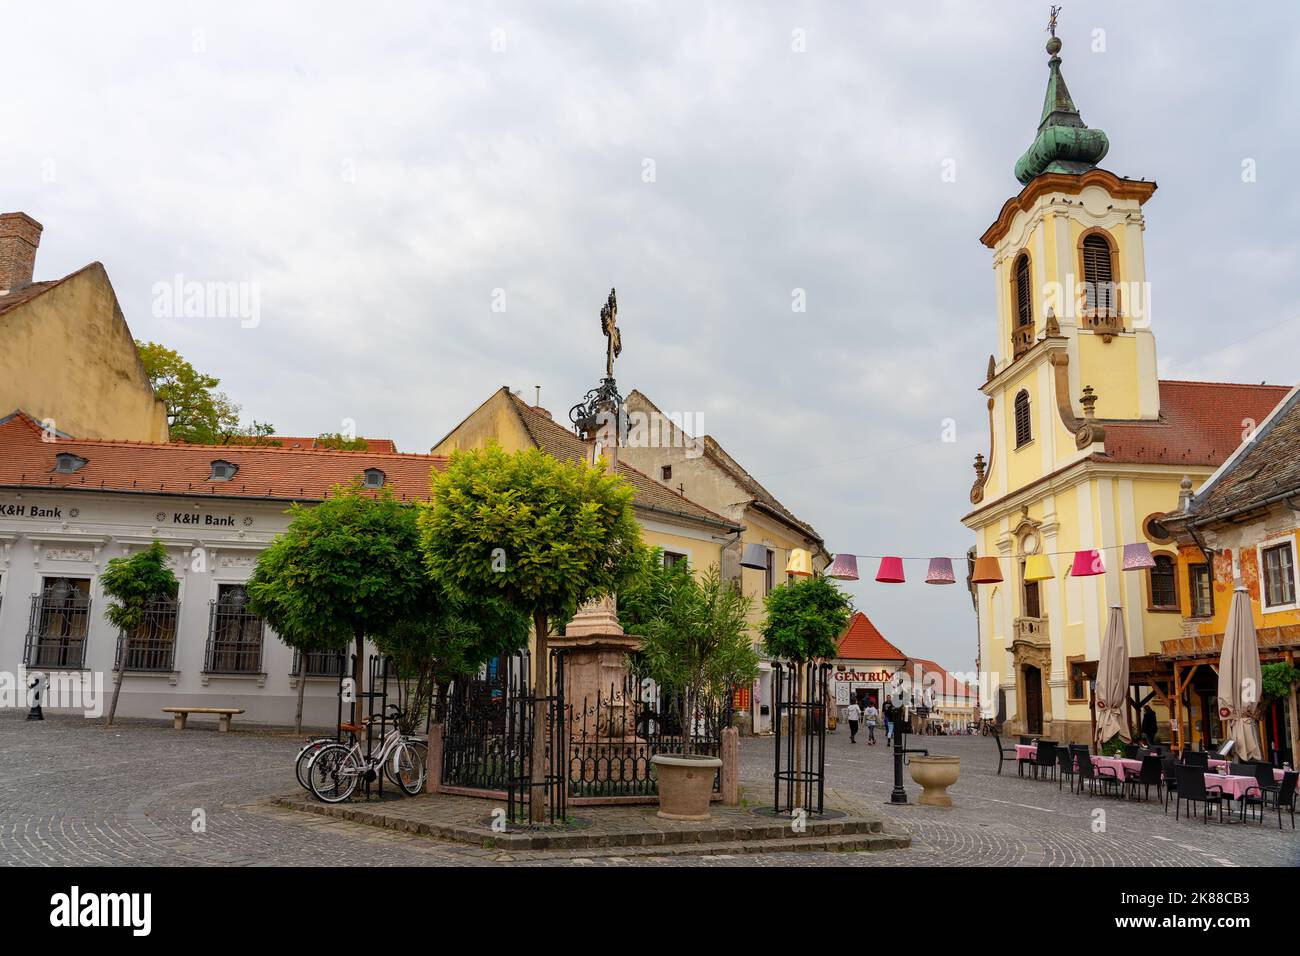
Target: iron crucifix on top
(609,326)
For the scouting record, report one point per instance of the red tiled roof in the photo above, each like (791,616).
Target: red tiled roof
(1265,468)
(1201,423)
(862,642)
(946,683)
(291,474)
(559,442)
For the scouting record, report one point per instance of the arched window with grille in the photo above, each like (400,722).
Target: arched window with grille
(1024,428)
(1163,582)
(1024,293)
(1098,275)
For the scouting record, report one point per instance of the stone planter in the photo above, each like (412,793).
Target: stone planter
(685,785)
(935,774)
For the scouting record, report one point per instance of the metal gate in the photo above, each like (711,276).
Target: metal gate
(799,723)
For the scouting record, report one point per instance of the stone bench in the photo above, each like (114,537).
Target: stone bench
(223,715)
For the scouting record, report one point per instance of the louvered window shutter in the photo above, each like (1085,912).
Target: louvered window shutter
(1024,308)
(1098,280)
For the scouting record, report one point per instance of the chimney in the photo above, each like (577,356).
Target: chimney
(20,234)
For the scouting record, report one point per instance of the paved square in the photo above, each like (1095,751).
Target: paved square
(73,792)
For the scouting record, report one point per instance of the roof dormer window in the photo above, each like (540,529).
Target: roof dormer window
(374,478)
(66,463)
(223,470)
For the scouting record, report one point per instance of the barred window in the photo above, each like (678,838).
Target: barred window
(1024,429)
(1164,586)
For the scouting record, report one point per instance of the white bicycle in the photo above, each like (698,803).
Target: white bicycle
(337,769)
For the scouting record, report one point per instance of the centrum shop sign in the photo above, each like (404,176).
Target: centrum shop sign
(865,677)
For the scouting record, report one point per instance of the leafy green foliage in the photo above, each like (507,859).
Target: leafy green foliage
(644,587)
(349,565)
(1279,678)
(805,619)
(1113,747)
(196,411)
(341,442)
(132,583)
(697,643)
(541,534)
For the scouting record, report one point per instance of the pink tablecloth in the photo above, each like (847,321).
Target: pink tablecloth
(1235,787)
(1118,764)
(1026,751)
(1216,763)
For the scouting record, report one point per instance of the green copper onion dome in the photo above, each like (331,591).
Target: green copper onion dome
(1063,143)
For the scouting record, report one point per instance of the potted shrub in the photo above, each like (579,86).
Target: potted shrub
(695,647)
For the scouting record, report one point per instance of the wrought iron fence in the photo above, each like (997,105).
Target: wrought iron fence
(57,629)
(537,777)
(799,724)
(152,645)
(476,752)
(614,733)
(319,663)
(234,639)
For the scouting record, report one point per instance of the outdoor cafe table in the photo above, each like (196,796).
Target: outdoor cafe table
(1233,786)
(1216,763)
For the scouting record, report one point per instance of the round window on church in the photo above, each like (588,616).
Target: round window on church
(1154,530)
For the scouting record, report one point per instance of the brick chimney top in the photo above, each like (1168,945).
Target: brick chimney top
(20,235)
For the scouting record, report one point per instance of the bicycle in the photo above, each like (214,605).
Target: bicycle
(336,769)
(307,753)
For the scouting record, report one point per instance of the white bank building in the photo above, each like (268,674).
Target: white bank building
(67,506)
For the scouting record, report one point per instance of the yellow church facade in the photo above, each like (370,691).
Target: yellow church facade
(1087,447)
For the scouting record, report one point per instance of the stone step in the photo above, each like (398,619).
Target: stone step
(849,843)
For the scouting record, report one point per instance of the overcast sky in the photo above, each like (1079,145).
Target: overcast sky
(378,171)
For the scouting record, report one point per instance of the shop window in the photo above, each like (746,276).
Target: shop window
(1078,681)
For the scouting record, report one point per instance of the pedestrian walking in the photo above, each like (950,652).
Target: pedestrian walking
(889,715)
(853,714)
(871,715)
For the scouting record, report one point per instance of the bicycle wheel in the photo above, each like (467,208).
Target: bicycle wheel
(405,769)
(334,773)
(304,758)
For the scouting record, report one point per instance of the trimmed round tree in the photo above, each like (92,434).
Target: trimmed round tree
(543,535)
(349,565)
(131,584)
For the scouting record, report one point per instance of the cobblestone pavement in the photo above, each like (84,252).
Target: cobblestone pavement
(72,792)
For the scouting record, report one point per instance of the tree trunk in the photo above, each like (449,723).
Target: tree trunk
(541,688)
(302,684)
(117,688)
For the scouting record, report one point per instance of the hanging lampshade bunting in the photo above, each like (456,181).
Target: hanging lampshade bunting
(1137,557)
(940,572)
(1038,568)
(891,571)
(844,568)
(986,571)
(755,557)
(1086,564)
(800,563)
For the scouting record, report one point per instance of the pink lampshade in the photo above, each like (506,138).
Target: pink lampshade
(940,572)
(1138,556)
(891,571)
(1086,564)
(844,568)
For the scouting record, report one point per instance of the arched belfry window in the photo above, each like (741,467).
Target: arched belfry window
(1024,431)
(1098,274)
(1024,294)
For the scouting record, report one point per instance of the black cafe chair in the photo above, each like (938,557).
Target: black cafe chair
(1045,758)
(1196,758)
(1149,775)
(1169,768)
(1065,766)
(1003,752)
(1130,751)
(1284,797)
(1097,778)
(1193,789)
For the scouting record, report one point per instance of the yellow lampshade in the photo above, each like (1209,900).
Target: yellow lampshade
(800,563)
(1038,568)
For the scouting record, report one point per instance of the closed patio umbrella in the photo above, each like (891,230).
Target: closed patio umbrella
(1112,680)
(1241,679)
